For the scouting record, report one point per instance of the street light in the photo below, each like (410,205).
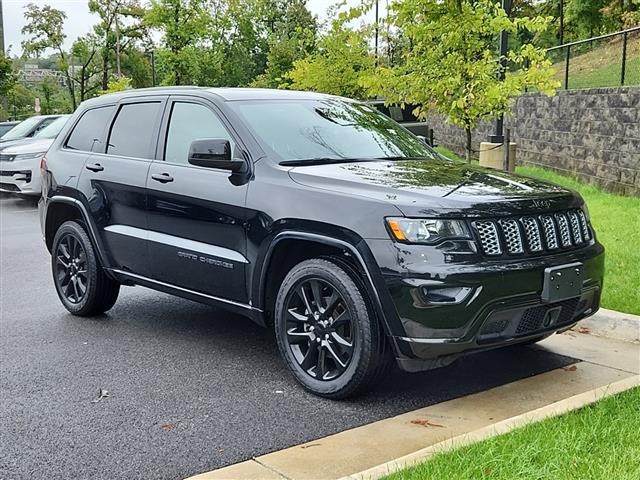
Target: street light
(498,137)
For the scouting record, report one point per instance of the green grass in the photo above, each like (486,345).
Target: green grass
(599,441)
(616,219)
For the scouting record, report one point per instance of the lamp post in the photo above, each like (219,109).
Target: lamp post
(498,137)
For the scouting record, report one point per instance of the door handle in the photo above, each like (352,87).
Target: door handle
(162,177)
(95,167)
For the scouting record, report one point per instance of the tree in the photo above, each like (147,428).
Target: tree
(7,75)
(85,50)
(451,66)
(184,24)
(44,30)
(341,61)
(291,36)
(121,23)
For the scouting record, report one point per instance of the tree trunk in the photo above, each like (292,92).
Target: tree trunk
(105,68)
(468,146)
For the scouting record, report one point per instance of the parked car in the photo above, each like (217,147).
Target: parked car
(28,128)
(316,216)
(20,159)
(6,126)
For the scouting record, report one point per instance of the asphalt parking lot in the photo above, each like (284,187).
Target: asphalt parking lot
(190,388)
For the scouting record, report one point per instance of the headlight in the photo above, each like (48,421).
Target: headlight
(431,231)
(29,156)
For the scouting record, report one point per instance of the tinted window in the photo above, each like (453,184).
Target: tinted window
(133,130)
(332,128)
(190,121)
(89,128)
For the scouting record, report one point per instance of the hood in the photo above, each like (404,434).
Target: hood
(438,187)
(31,145)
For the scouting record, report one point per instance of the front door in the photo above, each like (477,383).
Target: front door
(197,232)
(114,178)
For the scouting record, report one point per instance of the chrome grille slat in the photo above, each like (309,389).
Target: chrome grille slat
(584,225)
(575,227)
(563,225)
(512,236)
(488,237)
(550,234)
(534,233)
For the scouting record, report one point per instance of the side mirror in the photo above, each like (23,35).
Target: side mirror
(214,153)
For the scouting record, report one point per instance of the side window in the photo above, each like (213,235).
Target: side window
(89,128)
(189,122)
(133,131)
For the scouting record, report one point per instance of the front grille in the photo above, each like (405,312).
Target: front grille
(533,234)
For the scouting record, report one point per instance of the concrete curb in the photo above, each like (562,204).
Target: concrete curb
(551,410)
(612,324)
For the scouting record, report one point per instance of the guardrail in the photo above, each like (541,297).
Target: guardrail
(610,60)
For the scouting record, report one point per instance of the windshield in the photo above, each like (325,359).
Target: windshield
(53,129)
(331,129)
(22,129)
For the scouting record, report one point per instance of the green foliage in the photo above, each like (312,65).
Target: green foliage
(7,75)
(117,85)
(291,37)
(44,29)
(340,63)
(451,66)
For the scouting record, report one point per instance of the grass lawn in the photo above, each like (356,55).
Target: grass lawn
(616,220)
(599,441)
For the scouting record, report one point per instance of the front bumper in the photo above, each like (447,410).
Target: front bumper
(18,177)
(446,310)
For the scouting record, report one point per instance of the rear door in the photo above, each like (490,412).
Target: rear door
(196,215)
(114,178)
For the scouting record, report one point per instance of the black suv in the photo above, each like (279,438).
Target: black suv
(316,216)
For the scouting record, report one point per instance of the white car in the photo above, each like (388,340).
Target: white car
(20,162)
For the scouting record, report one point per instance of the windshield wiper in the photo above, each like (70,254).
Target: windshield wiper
(324,161)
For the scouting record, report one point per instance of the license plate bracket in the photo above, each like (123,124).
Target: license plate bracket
(562,282)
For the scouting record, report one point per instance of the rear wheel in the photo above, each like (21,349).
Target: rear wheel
(329,339)
(82,286)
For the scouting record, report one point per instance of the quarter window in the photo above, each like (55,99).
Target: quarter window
(189,122)
(132,133)
(89,128)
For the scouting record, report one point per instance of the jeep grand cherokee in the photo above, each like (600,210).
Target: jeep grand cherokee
(318,217)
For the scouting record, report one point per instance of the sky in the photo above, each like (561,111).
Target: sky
(80,20)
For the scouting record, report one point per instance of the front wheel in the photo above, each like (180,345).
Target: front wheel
(329,339)
(83,287)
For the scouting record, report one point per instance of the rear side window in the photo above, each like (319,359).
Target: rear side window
(134,130)
(89,128)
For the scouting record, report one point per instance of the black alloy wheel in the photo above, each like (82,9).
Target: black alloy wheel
(82,284)
(71,268)
(328,335)
(320,329)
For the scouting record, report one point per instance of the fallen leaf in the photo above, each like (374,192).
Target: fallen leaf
(487,472)
(310,445)
(426,423)
(167,427)
(101,394)
(571,368)
(583,330)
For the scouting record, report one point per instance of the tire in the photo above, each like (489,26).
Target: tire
(344,328)
(82,286)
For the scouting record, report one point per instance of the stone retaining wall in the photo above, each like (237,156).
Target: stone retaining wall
(592,134)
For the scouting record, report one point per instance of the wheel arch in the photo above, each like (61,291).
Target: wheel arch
(61,209)
(309,245)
